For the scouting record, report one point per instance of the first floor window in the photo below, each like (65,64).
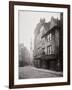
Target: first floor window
(49,50)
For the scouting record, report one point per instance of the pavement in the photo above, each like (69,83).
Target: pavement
(33,72)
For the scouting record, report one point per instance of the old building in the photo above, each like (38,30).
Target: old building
(48,44)
(24,56)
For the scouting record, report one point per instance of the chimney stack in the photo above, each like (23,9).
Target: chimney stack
(42,20)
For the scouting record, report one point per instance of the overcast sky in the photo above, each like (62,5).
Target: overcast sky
(27,23)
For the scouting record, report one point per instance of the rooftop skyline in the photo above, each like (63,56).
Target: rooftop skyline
(27,24)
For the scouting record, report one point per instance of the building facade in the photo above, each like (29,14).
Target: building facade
(48,44)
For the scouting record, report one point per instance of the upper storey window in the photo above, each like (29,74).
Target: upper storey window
(49,37)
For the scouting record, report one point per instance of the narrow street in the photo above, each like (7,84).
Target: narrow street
(33,72)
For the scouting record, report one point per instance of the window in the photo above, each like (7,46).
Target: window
(43,51)
(49,50)
(49,37)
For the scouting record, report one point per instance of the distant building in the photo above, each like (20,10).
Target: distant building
(24,56)
(48,44)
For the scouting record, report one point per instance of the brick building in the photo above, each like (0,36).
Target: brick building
(48,44)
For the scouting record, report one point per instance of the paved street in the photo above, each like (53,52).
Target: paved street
(32,72)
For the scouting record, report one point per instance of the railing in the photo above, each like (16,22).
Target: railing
(52,56)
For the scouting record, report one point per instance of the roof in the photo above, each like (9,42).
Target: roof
(50,25)
(47,26)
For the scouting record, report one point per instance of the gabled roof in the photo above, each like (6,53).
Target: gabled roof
(47,26)
(50,25)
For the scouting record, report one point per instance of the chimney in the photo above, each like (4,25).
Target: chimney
(42,20)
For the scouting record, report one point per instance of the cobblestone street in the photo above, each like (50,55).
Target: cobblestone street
(33,72)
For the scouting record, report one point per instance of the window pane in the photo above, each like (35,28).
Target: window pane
(50,36)
(50,49)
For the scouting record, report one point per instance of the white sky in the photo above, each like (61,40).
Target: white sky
(27,23)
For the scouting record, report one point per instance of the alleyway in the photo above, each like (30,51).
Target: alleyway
(32,72)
